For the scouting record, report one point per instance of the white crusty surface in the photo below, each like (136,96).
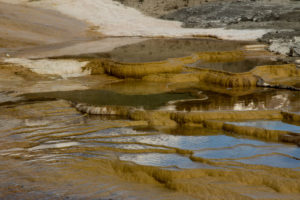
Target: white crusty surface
(114,19)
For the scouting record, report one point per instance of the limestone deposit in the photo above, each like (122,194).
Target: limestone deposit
(103,99)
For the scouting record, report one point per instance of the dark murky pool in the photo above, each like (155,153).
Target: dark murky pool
(235,67)
(106,97)
(162,49)
(186,99)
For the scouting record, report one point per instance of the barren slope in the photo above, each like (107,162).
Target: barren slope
(21,25)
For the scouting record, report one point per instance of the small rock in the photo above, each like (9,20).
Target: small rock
(297,39)
(274,59)
(280,47)
(296,49)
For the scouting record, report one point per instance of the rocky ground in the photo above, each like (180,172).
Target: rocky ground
(284,42)
(282,16)
(158,8)
(239,14)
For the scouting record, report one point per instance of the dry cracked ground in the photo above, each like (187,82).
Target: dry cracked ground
(88,116)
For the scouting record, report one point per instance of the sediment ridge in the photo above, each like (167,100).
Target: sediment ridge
(65,146)
(177,70)
(208,119)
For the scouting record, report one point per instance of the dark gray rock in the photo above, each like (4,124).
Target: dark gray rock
(283,42)
(239,14)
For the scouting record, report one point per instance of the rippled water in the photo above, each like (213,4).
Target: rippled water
(49,150)
(270,125)
(54,150)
